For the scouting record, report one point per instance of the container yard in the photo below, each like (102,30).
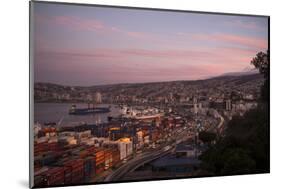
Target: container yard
(86,152)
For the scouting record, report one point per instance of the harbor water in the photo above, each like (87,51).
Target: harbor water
(58,113)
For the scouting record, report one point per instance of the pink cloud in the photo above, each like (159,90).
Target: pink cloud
(83,24)
(244,25)
(219,55)
(217,59)
(162,73)
(172,53)
(78,23)
(100,53)
(136,34)
(199,54)
(132,65)
(251,42)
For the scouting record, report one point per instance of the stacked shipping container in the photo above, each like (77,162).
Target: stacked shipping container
(100,160)
(77,163)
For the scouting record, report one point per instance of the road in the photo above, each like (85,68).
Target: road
(178,136)
(146,157)
(135,163)
(220,127)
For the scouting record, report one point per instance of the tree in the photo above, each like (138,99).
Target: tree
(245,147)
(237,161)
(261,62)
(207,137)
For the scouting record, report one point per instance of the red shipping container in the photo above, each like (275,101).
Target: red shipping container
(54,176)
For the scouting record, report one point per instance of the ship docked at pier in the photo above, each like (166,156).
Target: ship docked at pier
(141,113)
(85,111)
(92,106)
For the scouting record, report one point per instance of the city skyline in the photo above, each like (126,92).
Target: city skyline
(125,95)
(81,45)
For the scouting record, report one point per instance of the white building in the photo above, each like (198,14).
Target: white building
(98,98)
(228,105)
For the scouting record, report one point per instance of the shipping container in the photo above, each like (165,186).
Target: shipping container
(89,167)
(50,177)
(77,170)
(67,175)
(99,160)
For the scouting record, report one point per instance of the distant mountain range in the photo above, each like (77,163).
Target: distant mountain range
(246,71)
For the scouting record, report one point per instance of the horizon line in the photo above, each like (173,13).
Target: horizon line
(128,83)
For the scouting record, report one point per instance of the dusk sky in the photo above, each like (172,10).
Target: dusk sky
(84,45)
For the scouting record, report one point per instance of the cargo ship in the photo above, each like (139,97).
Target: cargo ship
(85,111)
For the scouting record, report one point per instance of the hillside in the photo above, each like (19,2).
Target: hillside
(48,91)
